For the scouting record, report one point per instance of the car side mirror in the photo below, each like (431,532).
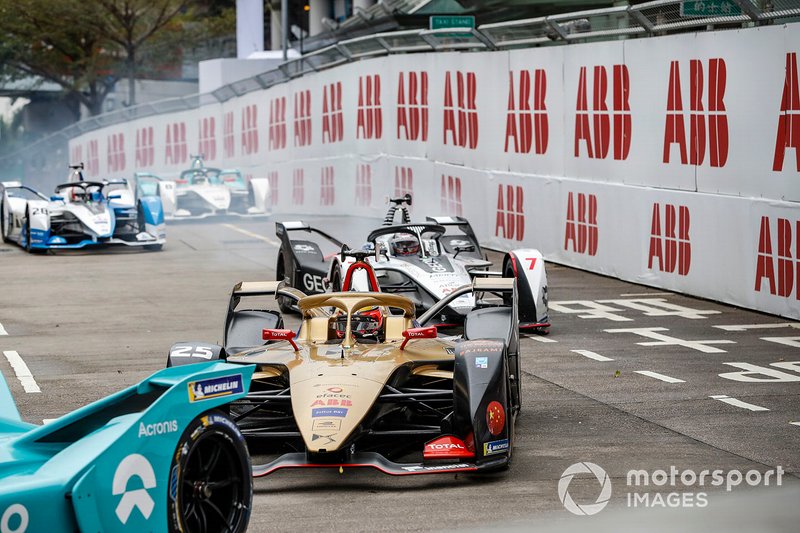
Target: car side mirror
(460,249)
(279,335)
(418,333)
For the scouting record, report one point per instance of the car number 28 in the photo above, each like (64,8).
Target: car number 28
(203,352)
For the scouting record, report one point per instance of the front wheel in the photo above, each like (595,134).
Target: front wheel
(26,223)
(211,484)
(3,229)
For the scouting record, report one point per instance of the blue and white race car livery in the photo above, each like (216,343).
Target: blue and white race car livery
(148,458)
(81,213)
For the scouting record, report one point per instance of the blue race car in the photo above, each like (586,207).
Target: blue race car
(81,213)
(161,455)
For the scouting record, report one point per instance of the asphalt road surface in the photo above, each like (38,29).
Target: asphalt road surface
(630,378)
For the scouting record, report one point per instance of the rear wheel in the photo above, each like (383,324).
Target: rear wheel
(27,225)
(336,281)
(3,222)
(211,484)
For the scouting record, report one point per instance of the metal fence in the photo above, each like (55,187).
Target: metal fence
(658,17)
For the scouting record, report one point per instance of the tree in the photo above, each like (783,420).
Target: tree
(57,42)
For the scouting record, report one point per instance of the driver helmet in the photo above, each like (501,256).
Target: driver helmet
(404,245)
(366,323)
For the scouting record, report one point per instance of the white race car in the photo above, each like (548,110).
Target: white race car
(81,213)
(201,192)
(425,262)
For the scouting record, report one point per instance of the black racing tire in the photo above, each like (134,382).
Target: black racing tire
(284,304)
(3,221)
(336,280)
(27,224)
(211,483)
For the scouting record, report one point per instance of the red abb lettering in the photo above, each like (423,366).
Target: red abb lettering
(93,157)
(277,123)
(675,126)
(582,231)
(302,118)
(207,145)
(249,130)
(272,178)
(412,106)
(597,136)
(228,140)
(327,192)
(789,120)
(788,268)
(145,154)
(510,219)
(522,124)
(298,186)
(403,181)
(369,117)
(364,184)
(671,249)
(115,152)
(332,114)
(450,202)
(464,131)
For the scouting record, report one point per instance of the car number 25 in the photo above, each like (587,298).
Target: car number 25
(203,352)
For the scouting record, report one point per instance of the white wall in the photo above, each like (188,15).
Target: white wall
(586,178)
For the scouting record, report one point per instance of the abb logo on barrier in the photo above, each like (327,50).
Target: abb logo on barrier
(277,123)
(145,151)
(510,220)
(602,127)
(298,187)
(207,144)
(332,114)
(582,230)
(302,118)
(228,142)
(451,196)
(412,106)
(363,184)
(249,130)
(783,283)
(788,135)
(403,181)
(464,130)
(115,152)
(671,247)
(369,118)
(176,151)
(675,128)
(526,122)
(92,158)
(327,191)
(272,178)
(76,154)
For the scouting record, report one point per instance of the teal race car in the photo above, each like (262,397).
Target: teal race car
(161,455)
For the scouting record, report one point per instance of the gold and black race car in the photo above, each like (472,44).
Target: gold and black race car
(365,383)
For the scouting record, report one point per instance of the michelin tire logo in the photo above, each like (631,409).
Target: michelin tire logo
(207,389)
(586,509)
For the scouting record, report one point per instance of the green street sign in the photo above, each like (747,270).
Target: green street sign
(437,22)
(710,8)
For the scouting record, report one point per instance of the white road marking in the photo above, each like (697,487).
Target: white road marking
(251,234)
(794,342)
(588,309)
(634,294)
(738,403)
(48,420)
(21,370)
(540,338)
(661,307)
(3,330)
(592,355)
(662,377)
(795,423)
(751,373)
(666,340)
(745,327)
